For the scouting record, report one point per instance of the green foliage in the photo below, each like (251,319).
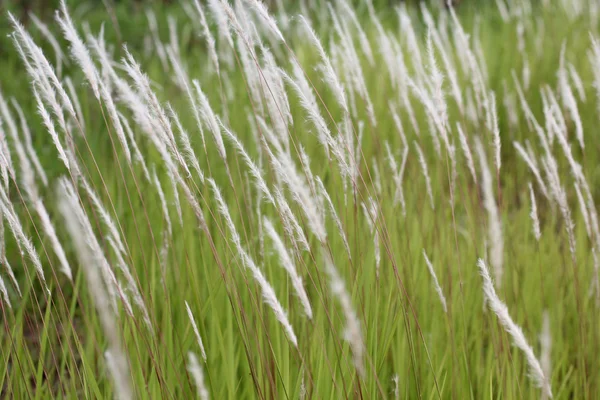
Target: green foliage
(53,345)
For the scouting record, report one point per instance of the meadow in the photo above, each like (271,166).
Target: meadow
(315,200)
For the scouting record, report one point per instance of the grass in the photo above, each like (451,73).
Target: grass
(54,344)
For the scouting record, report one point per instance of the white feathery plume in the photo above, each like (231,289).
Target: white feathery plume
(495,132)
(349,58)
(403,86)
(530,117)
(329,75)
(577,82)
(73,94)
(196,331)
(290,223)
(7,164)
(310,179)
(220,16)
(436,284)
(363,40)
(43,28)
(173,37)
(4,293)
(28,143)
(104,74)
(464,144)
(501,311)
(188,151)
(244,26)
(436,83)
(398,175)
(584,210)
(117,365)
(65,268)
(263,12)
(494,222)
(285,169)
(195,370)
(448,66)
(275,97)
(596,282)
(10,272)
(434,122)
(267,135)
(503,10)
(182,80)
(114,116)
(308,101)
(163,202)
(189,196)
(151,115)
(594,57)
(50,127)
(431,95)
(461,43)
(91,258)
(269,296)
(302,393)
(534,168)
(131,285)
(2,238)
(408,32)
(41,72)
(394,60)
(210,120)
(425,171)
(288,264)
(568,99)
(173,180)
(576,168)
(371,212)
(5,169)
(254,169)
(398,124)
(137,154)
(6,172)
(158,45)
(537,233)
(553,114)
(6,116)
(252,71)
(27,172)
(336,219)
(268,293)
(560,196)
(6,208)
(471,109)
(261,236)
(546,347)
(108,276)
(210,40)
(78,49)
(104,215)
(509,103)
(352,331)
(526,72)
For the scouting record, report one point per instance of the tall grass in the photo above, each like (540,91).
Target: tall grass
(244,202)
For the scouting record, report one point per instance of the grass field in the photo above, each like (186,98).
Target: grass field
(322,201)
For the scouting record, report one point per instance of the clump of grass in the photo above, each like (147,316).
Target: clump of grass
(255,186)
